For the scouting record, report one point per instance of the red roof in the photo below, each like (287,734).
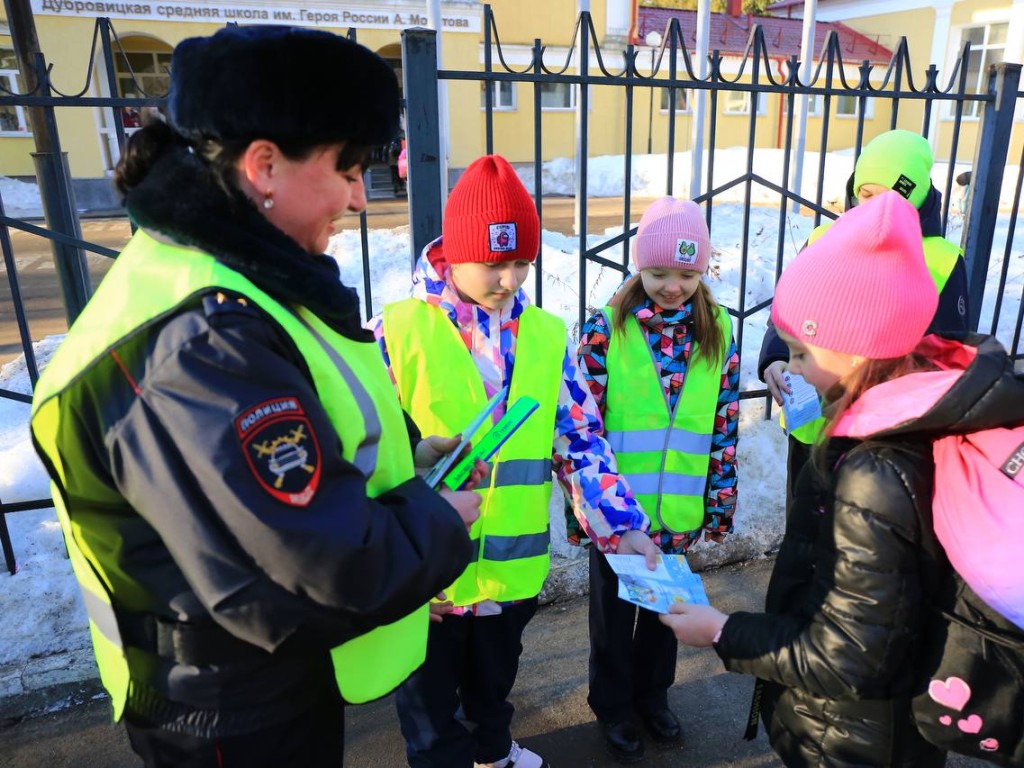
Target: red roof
(729,34)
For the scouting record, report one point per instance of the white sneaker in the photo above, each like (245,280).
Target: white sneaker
(518,757)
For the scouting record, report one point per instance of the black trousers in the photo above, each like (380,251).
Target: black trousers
(313,740)
(632,654)
(454,710)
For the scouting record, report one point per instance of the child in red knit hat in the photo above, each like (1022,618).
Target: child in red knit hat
(662,365)
(468,332)
(847,614)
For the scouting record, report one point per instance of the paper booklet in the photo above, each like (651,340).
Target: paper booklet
(672,582)
(486,446)
(802,405)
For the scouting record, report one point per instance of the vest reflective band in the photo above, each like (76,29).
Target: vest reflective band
(940,256)
(355,392)
(664,454)
(442,390)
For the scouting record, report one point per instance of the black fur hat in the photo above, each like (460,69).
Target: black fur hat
(282,83)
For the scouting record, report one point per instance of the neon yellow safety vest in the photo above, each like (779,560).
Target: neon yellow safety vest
(939,254)
(149,281)
(441,388)
(663,452)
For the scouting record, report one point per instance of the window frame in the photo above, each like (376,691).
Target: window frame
(572,98)
(762,105)
(11,80)
(496,104)
(686,110)
(972,109)
(869,107)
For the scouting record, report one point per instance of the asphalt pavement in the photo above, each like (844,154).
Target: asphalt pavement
(552,716)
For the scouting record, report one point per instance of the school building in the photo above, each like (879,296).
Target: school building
(147,31)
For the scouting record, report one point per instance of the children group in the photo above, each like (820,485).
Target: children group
(241,493)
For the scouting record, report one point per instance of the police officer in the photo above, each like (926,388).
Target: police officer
(232,470)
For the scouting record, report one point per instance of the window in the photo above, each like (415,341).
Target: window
(814,103)
(988,46)
(557,96)
(682,100)
(847,106)
(139,74)
(13,121)
(504,95)
(738,103)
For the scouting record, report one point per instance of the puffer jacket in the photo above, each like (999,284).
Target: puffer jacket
(846,604)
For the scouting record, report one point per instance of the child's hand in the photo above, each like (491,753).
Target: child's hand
(774,381)
(480,469)
(466,503)
(695,625)
(438,610)
(639,543)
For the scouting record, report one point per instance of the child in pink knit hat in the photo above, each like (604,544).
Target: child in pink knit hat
(836,653)
(663,367)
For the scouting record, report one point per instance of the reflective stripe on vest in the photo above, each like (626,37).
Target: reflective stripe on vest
(442,390)
(356,395)
(940,256)
(664,455)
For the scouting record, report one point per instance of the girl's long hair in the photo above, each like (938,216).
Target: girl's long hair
(706,330)
(842,395)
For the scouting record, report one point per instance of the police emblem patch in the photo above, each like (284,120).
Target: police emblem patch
(281,449)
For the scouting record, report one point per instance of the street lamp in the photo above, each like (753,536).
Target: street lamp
(653,39)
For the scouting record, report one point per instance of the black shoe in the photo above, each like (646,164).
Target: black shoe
(663,726)
(623,740)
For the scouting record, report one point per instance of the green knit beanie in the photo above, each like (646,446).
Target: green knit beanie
(900,160)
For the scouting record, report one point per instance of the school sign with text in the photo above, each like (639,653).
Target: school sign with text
(397,17)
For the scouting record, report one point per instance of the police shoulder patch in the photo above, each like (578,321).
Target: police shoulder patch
(281,449)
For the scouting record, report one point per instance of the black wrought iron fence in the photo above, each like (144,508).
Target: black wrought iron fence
(673,69)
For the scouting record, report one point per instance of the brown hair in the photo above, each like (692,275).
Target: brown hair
(706,330)
(841,396)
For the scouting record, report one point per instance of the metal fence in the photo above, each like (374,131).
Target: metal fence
(673,69)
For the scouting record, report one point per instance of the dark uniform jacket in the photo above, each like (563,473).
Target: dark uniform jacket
(950,316)
(186,530)
(847,600)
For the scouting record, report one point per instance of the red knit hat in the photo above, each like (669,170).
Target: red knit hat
(863,287)
(490,217)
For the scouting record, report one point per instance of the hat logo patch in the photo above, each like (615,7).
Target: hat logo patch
(502,237)
(810,328)
(904,186)
(281,450)
(686,252)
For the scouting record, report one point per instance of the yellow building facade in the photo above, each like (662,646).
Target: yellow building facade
(146,33)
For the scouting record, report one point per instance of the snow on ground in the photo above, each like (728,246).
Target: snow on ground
(44,618)
(21,199)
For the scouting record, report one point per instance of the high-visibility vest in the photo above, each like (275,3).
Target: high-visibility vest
(441,388)
(664,452)
(940,256)
(149,280)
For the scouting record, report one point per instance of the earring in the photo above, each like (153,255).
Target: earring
(268,199)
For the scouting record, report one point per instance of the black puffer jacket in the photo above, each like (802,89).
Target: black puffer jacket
(847,598)
(185,528)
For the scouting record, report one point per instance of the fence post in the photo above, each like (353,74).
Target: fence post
(423,140)
(987,180)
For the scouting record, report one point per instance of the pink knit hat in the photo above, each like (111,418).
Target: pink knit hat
(673,234)
(863,287)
